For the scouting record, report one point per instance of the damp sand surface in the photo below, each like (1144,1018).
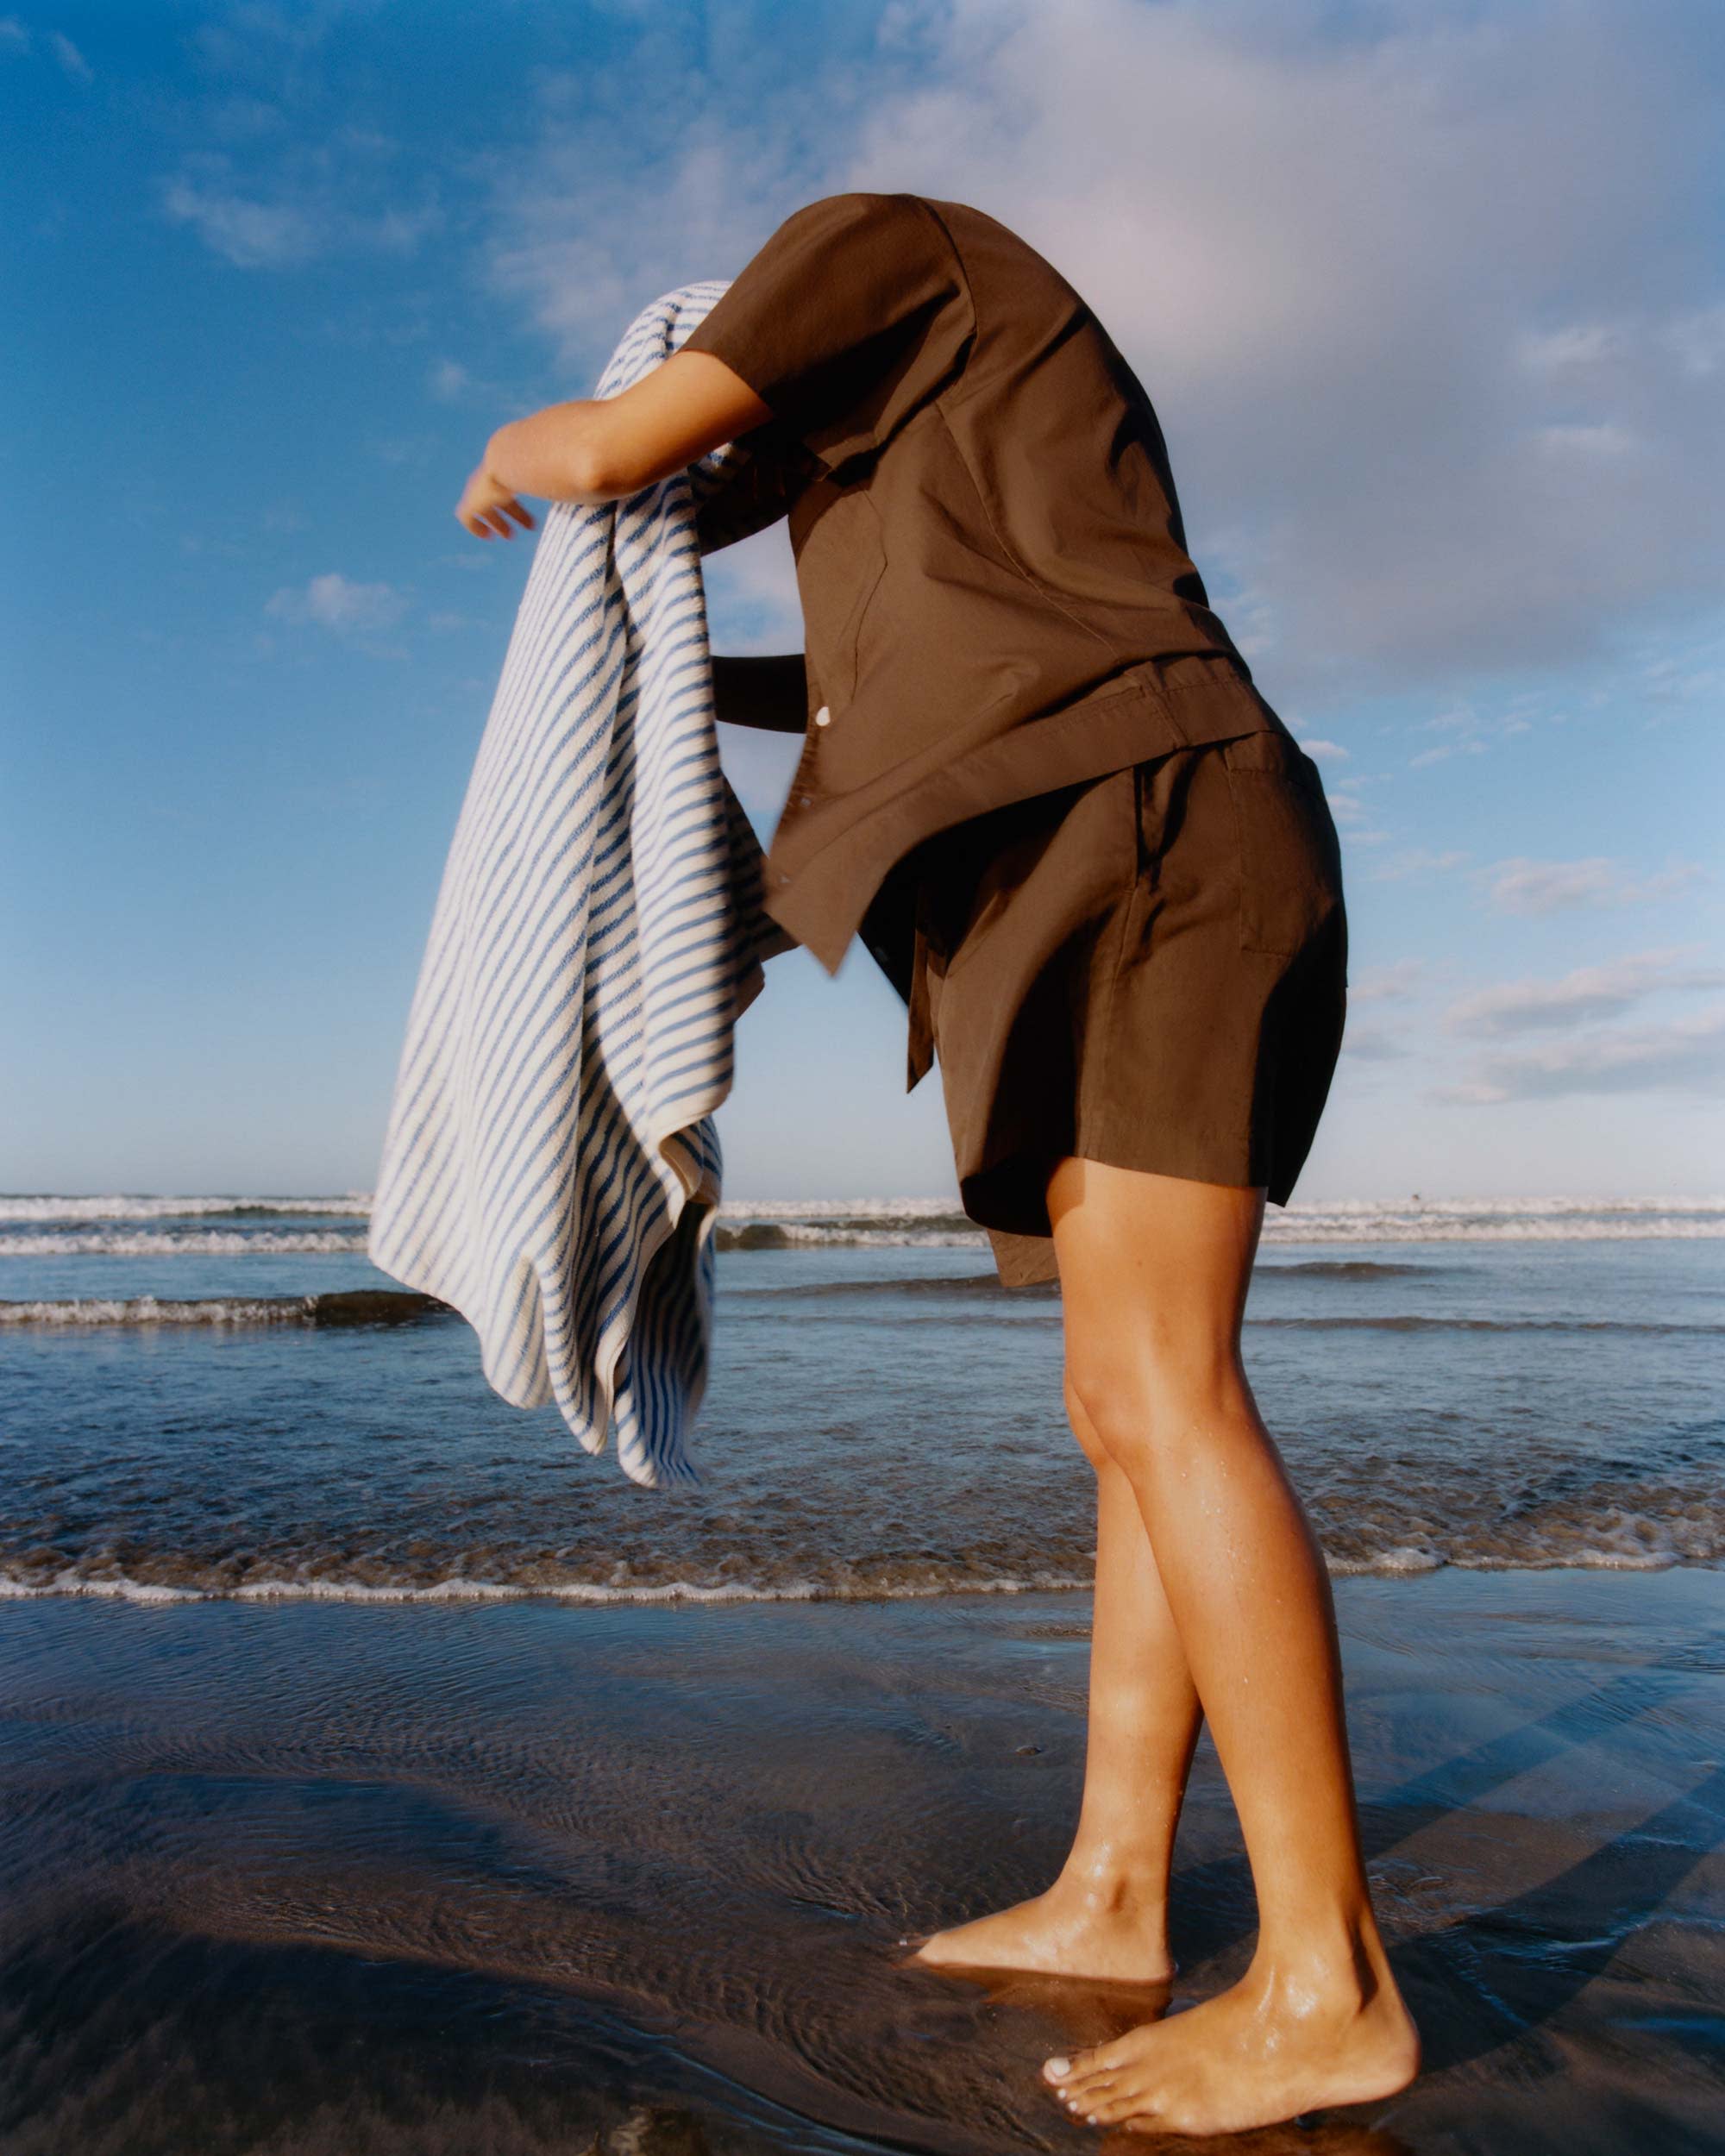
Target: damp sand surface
(533,1877)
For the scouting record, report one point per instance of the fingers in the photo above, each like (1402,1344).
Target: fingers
(488,518)
(491,523)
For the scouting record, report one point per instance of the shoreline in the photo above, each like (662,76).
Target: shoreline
(585,1596)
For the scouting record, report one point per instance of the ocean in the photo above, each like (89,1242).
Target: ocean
(382,1776)
(221,1396)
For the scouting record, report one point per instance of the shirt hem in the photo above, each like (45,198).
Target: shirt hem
(822,900)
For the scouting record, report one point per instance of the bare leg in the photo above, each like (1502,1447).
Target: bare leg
(1154,1272)
(1106,1914)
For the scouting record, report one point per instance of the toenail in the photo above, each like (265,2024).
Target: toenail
(1059,2068)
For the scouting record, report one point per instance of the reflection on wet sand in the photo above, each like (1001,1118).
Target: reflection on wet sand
(625,1882)
(1083,2009)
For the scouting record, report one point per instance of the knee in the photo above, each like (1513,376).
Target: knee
(1089,1438)
(1136,1414)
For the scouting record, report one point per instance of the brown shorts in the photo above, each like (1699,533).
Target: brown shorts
(1148,969)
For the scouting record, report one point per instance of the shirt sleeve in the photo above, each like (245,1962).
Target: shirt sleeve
(855,309)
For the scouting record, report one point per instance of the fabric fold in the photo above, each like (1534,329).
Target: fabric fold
(551,1166)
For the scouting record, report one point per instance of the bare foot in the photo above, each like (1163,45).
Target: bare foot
(1112,1932)
(1265,2051)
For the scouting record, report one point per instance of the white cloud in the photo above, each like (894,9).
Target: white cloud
(332,601)
(582,240)
(753,593)
(250,235)
(260,41)
(73,62)
(1471,731)
(448,380)
(1414,290)
(1373,1044)
(1448,749)
(291,203)
(1382,984)
(1599,438)
(1688,1054)
(1520,885)
(1326,751)
(14,37)
(1577,344)
(1588,993)
(1698,339)
(1417,861)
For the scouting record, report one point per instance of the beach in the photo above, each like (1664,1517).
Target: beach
(380,1773)
(528,1877)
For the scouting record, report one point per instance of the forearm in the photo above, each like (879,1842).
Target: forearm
(559,452)
(595,449)
(769,690)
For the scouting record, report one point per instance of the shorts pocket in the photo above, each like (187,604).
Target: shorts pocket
(1156,786)
(1290,873)
(981,867)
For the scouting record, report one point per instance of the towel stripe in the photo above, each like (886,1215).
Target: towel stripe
(551,1166)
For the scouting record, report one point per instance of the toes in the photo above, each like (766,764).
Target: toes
(1088,2074)
(1090,2085)
(1084,2104)
(1110,2106)
(1081,2099)
(1079,2067)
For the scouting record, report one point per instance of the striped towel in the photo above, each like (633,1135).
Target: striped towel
(551,1166)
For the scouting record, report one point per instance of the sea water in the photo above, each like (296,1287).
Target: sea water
(194,1403)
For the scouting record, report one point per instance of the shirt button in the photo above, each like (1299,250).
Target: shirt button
(823,717)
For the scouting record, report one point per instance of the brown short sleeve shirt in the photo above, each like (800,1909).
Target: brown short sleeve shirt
(996,594)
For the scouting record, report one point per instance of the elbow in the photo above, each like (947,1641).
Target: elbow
(590,477)
(599,467)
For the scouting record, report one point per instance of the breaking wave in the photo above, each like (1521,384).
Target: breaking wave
(138,1226)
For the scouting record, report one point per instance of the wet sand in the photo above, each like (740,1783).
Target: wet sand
(526,1877)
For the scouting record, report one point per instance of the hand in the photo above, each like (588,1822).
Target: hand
(486,506)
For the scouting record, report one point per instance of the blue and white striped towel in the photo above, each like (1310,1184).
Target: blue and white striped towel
(551,1166)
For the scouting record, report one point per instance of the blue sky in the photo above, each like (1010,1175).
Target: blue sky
(1429,300)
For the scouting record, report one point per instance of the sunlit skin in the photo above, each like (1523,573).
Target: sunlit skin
(599,448)
(1211,1600)
(1211,1594)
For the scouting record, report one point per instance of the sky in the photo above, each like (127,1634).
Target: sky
(1430,300)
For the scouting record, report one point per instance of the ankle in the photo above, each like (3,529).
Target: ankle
(1112,1882)
(1337,1961)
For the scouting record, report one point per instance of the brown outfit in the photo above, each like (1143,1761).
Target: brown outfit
(1148,968)
(1000,611)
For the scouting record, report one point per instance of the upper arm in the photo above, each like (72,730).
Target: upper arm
(685,406)
(854,308)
